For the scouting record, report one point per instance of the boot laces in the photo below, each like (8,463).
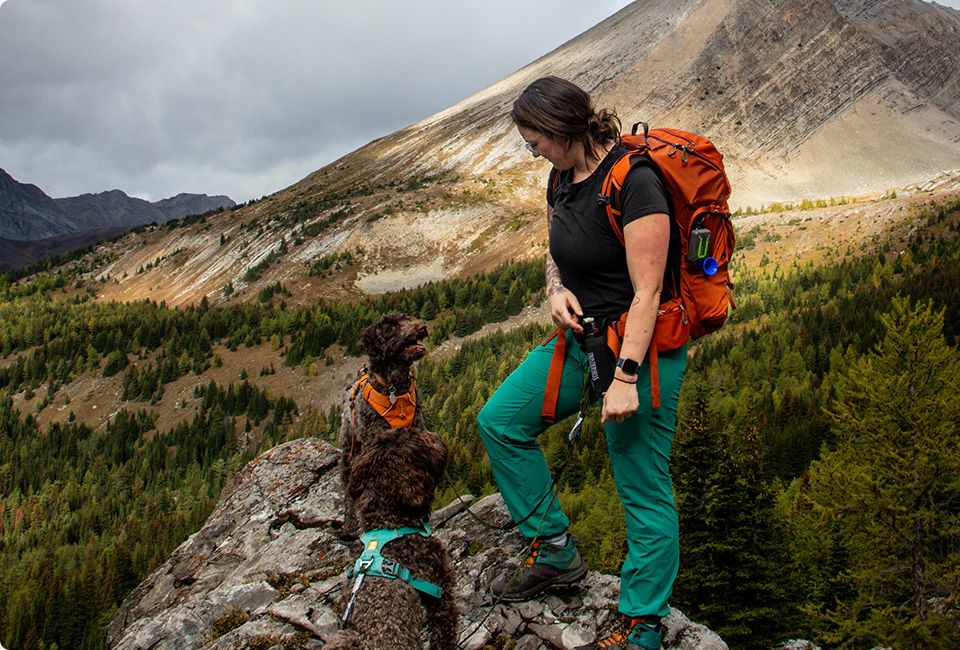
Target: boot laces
(534,553)
(618,635)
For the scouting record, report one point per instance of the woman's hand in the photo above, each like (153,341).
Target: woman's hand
(565,310)
(621,400)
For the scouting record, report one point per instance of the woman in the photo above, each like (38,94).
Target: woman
(590,273)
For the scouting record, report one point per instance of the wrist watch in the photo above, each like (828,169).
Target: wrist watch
(628,366)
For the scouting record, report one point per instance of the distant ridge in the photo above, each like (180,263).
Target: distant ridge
(34,226)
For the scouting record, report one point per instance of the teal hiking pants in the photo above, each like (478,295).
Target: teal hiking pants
(639,449)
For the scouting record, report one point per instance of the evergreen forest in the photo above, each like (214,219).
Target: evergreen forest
(816,462)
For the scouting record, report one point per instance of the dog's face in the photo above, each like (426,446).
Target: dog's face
(395,339)
(397,472)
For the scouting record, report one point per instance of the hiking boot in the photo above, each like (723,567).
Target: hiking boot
(630,634)
(546,566)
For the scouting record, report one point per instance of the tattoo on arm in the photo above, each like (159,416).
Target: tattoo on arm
(637,299)
(554,284)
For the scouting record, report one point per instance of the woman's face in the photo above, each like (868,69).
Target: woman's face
(552,148)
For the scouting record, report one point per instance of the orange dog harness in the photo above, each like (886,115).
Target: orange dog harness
(397,410)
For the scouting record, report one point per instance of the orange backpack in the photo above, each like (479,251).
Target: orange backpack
(693,176)
(692,171)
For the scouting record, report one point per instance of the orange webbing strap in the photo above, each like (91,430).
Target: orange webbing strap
(615,338)
(551,392)
(613,182)
(654,376)
(615,334)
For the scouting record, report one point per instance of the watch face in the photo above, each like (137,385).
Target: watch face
(629,366)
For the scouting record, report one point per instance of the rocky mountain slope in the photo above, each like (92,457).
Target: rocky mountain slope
(817,99)
(27,214)
(15,254)
(266,569)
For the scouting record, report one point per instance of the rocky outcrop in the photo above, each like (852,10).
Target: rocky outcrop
(265,570)
(919,44)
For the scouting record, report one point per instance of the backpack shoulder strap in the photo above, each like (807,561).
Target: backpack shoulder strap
(609,196)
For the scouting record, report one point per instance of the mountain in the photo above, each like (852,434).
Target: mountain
(819,99)
(115,208)
(183,204)
(27,214)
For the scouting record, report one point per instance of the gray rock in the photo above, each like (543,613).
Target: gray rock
(248,597)
(530,642)
(269,563)
(577,633)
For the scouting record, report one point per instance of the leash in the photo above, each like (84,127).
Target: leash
(553,492)
(571,437)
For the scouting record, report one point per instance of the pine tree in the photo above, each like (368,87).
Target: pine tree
(886,500)
(732,559)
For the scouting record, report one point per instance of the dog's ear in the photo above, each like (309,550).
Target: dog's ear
(376,339)
(371,342)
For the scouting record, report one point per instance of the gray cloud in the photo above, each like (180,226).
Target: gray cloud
(238,96)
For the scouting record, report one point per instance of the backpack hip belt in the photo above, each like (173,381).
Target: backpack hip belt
(614,337)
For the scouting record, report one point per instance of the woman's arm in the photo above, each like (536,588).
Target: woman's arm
(646,240)
(565,309)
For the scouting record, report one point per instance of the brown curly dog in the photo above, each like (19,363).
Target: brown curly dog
(392,483)
(383,398)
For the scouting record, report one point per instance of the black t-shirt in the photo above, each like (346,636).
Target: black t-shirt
(591,260)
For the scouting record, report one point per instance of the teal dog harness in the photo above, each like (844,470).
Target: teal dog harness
(372,563)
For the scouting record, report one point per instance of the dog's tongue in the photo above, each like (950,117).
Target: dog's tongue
(416,348)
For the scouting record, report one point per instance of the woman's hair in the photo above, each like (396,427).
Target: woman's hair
(557,107)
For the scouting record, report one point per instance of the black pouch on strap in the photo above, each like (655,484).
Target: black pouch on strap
(600,360)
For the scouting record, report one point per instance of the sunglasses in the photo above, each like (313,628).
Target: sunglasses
(533,147)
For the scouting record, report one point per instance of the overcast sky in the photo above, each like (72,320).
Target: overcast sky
(244,97)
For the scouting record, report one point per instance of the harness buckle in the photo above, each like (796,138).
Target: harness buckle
(389,568)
